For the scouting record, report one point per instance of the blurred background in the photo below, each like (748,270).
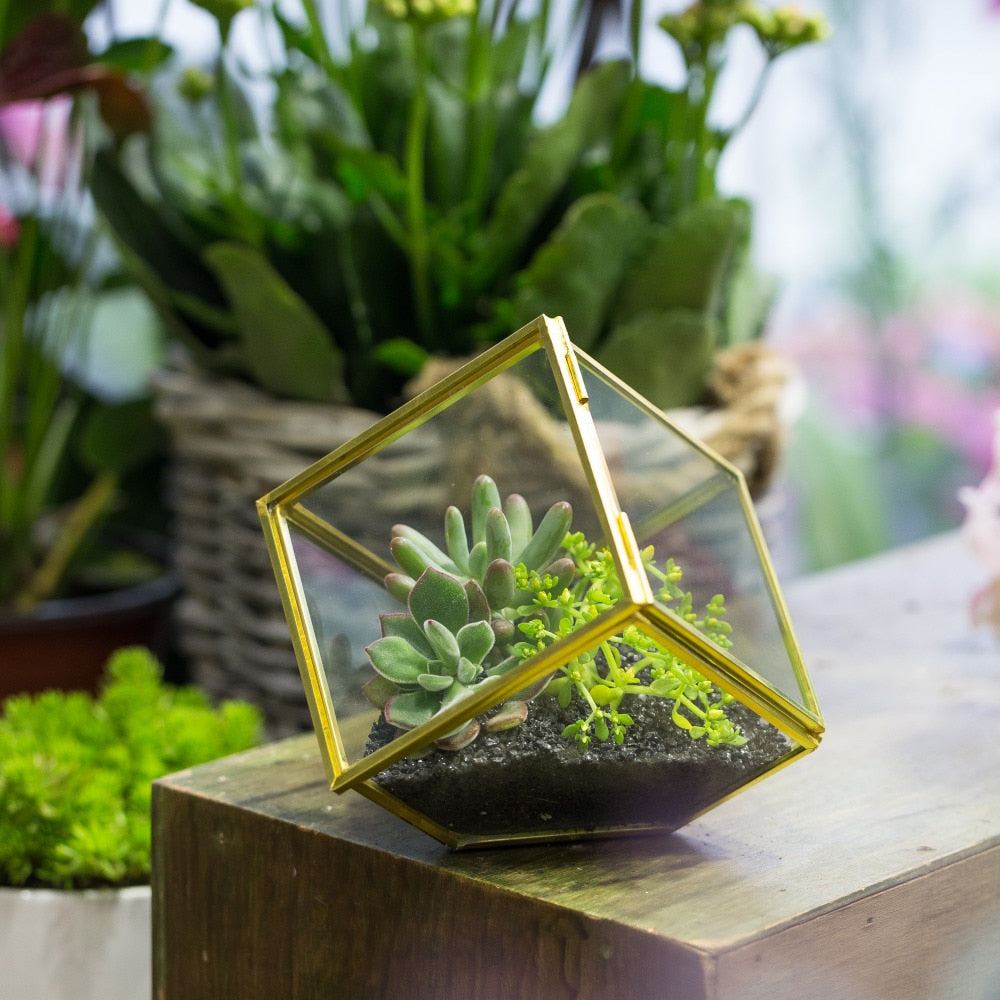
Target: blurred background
(872,164)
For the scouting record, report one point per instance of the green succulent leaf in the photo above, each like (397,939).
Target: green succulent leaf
(444,642)
(478,560)
(548,537)
(441,597)
(479,608)
(410,557)
(412,709)
(435,682)
(485,496)
(498,539)
(468,671)
(379,690)
(498,585)
(430,552)
(475,640)
(396,660)
(460,738)
(518,514)
(399,586)
(403,625)
(456,538)
(508,716)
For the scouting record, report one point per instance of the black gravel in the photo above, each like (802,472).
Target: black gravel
(531,779)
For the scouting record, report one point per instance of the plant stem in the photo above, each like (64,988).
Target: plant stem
(756,94)
(84,513)
(319,39)
(416,205)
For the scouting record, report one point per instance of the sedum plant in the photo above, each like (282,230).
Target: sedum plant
(76,771)
(505,589)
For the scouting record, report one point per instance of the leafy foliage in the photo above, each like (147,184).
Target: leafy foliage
(631,663)
(406,150)
(76,772)
(69,460)
(468,605)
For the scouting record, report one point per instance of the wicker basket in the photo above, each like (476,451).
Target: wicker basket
(232,443)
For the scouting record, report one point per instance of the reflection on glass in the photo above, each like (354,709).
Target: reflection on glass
(690,509)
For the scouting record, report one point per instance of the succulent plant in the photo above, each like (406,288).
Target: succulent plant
(462,609)
(505,589)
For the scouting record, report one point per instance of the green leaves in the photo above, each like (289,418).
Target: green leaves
(440,597)
(431,656)
(578,271)
(75,771)
(547,165)
(688,262)
(285,345)
(396,660)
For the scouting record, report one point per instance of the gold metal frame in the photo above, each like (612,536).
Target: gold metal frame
(283,507)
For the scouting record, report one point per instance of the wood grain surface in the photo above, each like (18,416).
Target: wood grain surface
(870,870)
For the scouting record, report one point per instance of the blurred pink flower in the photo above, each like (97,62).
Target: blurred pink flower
(982,531)
(39,136)
(10,229)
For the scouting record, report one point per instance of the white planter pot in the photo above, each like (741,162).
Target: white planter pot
(92,944)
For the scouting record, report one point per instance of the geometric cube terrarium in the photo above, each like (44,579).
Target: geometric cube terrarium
(527,607)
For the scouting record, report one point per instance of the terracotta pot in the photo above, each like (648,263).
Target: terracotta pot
(65,643)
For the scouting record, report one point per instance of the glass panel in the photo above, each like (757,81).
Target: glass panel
(511,429)
(690,509)
(344,607)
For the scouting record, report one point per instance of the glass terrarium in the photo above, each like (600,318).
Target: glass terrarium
(526,606)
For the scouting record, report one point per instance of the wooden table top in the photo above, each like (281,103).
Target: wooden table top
(907,778)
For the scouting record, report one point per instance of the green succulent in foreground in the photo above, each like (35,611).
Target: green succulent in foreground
(505,590)
(463,606)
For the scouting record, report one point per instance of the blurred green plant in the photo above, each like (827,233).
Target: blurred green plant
(400,195)
(76,772)
(64,453)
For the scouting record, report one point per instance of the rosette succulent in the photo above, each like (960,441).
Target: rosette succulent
(462,608)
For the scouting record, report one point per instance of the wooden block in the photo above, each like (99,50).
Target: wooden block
(868,871)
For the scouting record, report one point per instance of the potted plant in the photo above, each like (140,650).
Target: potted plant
(76,462)
(407,195)
(404,148)
(75,789)
(656,740)
(619,664)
